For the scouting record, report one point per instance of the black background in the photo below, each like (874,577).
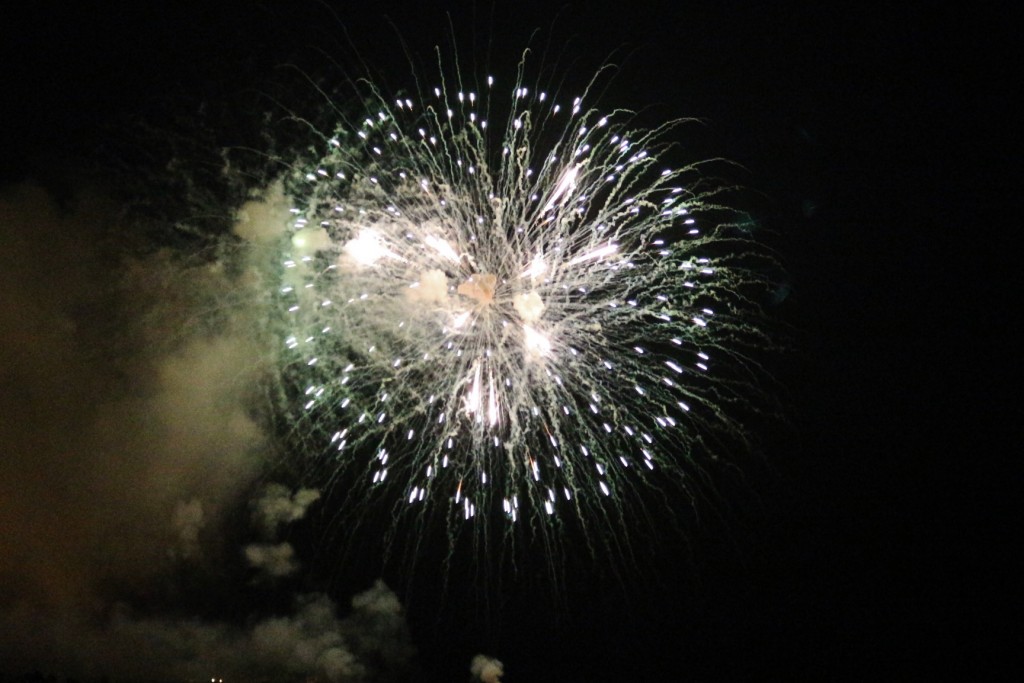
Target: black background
(881,144)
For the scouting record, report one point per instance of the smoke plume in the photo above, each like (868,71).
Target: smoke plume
(130,396)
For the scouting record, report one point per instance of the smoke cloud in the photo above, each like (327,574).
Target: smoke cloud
(276,506)
(312,643)
(117,408)
(275,560)
(130,390)
(487,669)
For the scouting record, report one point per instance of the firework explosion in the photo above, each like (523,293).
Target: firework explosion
(522,316)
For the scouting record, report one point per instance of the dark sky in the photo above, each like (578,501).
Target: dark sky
(876,536)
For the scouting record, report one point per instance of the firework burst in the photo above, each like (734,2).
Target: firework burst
(516,315)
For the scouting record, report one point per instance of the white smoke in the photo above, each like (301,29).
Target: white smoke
(118,402)
(276,506)
(311,643)
(487,669)
(129,390)
(275,560)
(263,220)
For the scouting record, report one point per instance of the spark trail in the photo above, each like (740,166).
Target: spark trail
(530,316)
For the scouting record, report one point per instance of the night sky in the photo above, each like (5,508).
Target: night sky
(871,533)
